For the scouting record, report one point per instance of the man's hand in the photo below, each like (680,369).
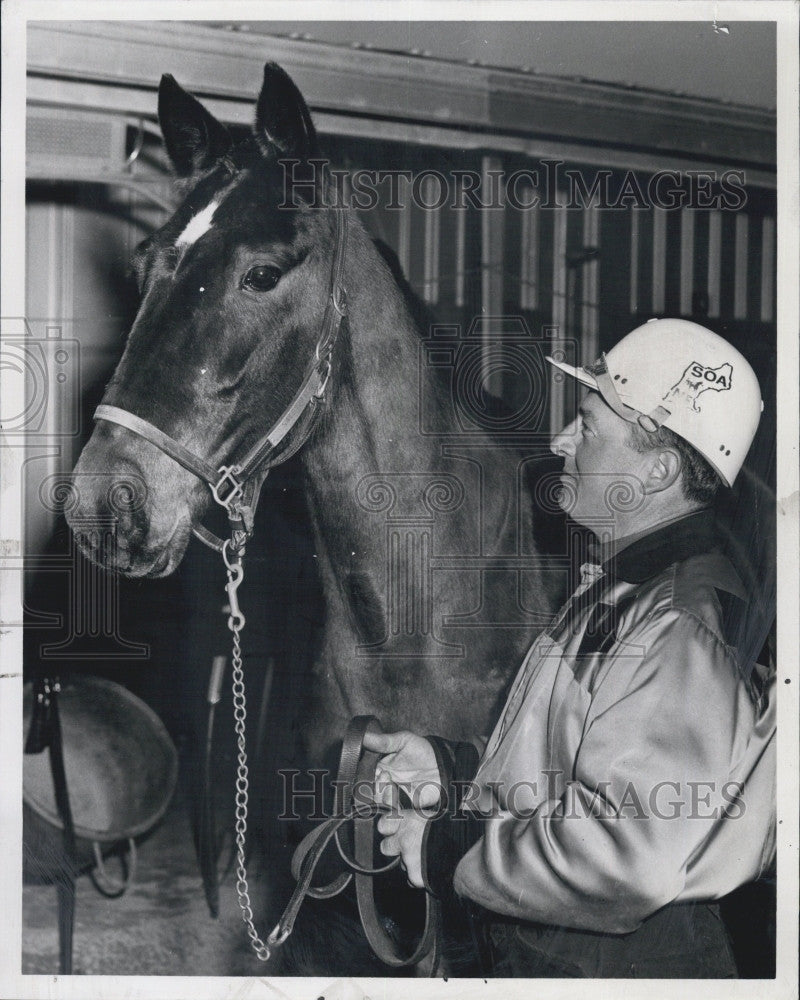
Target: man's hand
(408,761)
(402,834)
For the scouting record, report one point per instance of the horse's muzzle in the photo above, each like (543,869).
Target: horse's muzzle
(111,537)
(119,520)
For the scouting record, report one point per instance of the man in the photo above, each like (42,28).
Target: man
(629,781)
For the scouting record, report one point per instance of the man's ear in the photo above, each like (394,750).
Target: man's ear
(194,138)
(662,471)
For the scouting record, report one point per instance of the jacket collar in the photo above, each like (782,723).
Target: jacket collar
(649,555)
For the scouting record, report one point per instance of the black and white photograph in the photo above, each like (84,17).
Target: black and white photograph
(399,499)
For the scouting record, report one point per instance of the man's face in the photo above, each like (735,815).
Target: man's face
(602,472)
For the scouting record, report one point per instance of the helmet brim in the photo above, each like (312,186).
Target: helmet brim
(580,374)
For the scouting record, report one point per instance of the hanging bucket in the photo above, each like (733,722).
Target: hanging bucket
(121,769)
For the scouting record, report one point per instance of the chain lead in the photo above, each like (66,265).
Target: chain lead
(235,624)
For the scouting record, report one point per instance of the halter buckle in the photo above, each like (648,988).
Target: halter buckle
(228,479)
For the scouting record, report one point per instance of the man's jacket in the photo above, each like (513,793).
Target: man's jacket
(632,765)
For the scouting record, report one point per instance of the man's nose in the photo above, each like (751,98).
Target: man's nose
(563,443)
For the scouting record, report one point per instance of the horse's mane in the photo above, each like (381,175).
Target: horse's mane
(420,313)
(423,318)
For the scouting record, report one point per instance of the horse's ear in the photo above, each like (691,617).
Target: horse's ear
(194,138)
(283,121)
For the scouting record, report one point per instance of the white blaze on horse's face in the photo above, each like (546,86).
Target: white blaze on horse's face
(198,225)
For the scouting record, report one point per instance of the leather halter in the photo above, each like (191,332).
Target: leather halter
(237,486)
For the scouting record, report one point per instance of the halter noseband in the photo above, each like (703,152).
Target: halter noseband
(236,487)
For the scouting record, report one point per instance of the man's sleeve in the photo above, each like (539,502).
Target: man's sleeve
(449,836)
(614,846)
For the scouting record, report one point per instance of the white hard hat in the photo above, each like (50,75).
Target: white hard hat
(678,374)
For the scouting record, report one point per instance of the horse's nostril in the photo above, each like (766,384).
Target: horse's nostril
(87,540)
(103,544)
(92,541)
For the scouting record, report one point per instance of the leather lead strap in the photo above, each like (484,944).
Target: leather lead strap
(356,772)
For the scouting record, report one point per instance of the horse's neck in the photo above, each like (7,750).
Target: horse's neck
(386,504)
(370,433)
(374,397)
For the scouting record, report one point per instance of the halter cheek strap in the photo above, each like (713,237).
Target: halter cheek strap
(237,486)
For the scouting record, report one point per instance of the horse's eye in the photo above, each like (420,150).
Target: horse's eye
(261,278)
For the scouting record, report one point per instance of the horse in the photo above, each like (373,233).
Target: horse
(256,302)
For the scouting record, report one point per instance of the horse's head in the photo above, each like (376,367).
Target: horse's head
(234,289)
